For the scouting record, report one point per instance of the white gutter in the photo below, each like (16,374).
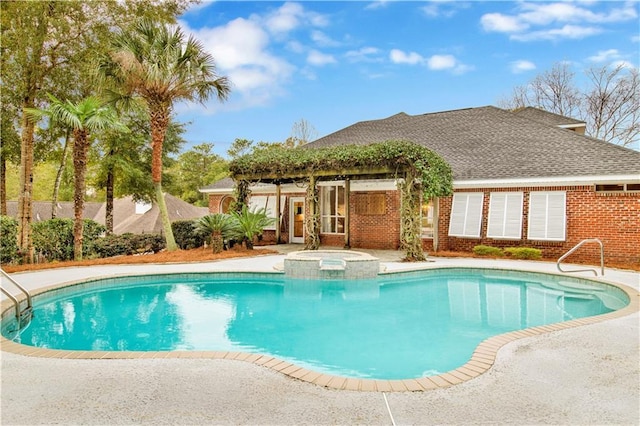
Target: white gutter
(546,181)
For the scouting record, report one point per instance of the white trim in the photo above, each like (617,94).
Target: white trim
(545,181)
(292,201)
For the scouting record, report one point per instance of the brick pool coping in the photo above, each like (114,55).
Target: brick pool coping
(480,362)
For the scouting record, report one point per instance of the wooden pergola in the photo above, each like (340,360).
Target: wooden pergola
(410,187)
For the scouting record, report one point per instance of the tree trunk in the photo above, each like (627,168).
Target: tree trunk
(3,186)
(56,185)
(25,207)
(159,114)
(108,219)
(80,138)
(164,214)
(217,243)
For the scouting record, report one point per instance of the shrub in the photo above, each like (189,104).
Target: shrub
(187,234)
(482,250)
(8,240)
(249,224)
(53,238)
(524,252)
(126,244)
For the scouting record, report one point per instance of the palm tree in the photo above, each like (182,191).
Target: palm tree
(155,63)
(249,224)
(82,118)
(217,225)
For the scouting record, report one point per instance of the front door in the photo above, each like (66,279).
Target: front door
(296,220)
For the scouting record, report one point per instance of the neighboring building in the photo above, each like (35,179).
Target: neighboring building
(524,178)
(128,216)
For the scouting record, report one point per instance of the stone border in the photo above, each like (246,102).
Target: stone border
(481,360)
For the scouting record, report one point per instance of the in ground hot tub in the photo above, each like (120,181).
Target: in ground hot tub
(331,264)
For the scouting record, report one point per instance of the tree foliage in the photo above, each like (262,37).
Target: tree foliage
(610,104)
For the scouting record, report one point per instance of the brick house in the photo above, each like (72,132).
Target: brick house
(524,178)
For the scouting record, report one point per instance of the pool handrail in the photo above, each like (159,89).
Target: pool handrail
(16,302)
(586,240)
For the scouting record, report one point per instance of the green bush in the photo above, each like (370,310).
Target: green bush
(482,250)
(53,238)
(187,234)
(126,244)
(8,240)
(524,252)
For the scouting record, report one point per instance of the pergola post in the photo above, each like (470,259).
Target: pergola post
(312,220)
(278,217)
(347,213)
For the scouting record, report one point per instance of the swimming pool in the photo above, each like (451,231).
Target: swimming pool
(398,326)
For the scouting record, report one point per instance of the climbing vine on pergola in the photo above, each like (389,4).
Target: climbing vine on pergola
(421,174)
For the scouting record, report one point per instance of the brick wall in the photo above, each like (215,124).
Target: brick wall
(613,218)
(375,227)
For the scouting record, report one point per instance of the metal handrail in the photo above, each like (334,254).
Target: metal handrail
(13,298)
(588,240)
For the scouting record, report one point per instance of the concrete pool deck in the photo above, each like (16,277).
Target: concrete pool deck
(583,375)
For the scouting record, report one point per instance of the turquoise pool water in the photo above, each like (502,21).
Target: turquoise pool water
(397,326)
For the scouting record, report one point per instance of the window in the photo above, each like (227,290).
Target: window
(547,215)
(505,215)
(267,202)
(332,209)
(427,212)
(466,214)
(225,204)
(619,187)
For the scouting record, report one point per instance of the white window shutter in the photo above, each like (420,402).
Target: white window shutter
(505,215)
(466,214)
(547,215)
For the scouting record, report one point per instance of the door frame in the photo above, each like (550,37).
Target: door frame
(292,202)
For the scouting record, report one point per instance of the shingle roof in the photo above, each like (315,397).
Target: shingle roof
(492,143)
(64,209)
(546,117)
(223,183)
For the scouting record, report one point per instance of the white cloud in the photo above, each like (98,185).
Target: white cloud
(521,66)
(443,8)
(623,64)
(605,56)
(240,49)
(286,18)
(365,54)
(566,32)
(323,40)
(441,62)
(558,20)
(399,57)
(497,22)
(377,4)
(319,59)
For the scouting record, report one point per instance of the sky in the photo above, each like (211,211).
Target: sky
(334,63)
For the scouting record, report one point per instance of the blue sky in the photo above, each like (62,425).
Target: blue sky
(333,64)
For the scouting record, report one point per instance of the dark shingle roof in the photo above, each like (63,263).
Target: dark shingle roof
(546,117)
(223,183)
(492,143)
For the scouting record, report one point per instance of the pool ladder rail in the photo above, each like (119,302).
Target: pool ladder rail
(576,247)
(23,316)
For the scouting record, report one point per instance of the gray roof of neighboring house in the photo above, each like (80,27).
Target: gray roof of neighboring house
(224,183)
(64,209)
(492,143)
(125,218)
(546,117)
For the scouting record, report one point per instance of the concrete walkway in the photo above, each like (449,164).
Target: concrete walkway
(584,375)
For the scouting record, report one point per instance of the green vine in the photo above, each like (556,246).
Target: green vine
(241,195)
(312,220)
(410,226)
(401,156)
